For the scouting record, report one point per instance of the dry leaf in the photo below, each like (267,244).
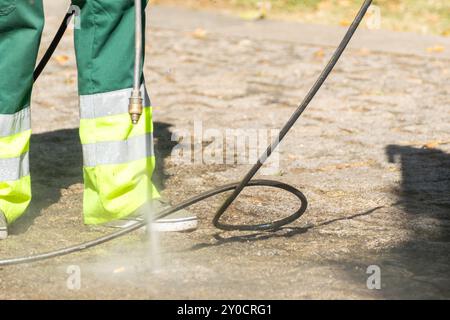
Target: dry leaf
(119,270)
(340,166)
(345,23)
(199,33)
(264,9)
(319,54)
(432,144)
(251,15)
(364,51)
(62,59)
(436,49)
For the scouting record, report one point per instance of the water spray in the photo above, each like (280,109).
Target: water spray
(238,187)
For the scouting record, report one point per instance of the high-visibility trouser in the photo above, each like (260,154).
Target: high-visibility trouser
(118,157)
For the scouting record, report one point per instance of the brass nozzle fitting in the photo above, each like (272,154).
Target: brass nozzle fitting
(135,106)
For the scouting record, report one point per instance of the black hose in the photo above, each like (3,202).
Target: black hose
(236,187)
(53,45)
(182,205)
(289,124)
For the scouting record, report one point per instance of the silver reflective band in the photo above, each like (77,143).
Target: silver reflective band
(13,169)
(118,152)
(11,124)
(108,103)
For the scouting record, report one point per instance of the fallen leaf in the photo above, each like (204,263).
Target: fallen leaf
(62,59)
(345,23)
(364,51)
(264,9)
(340,166)
(199,33)
(119,270)
(319,54)
(432,144)
(436,49)
(251,15)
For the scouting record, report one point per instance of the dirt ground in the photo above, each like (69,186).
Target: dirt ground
(372,154)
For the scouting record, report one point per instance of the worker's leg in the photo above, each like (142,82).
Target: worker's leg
(118,157)
(21,24)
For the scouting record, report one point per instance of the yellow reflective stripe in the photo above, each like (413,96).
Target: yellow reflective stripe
(15,145)
(15,196)
(115,191)
(114,128)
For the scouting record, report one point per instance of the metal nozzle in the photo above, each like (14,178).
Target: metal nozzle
(135,106)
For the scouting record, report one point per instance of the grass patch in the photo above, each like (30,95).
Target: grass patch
(421,16)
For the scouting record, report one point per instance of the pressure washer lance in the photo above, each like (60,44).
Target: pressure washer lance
(235,187)
(135,106)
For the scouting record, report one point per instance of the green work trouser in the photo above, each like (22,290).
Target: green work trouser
(118,157)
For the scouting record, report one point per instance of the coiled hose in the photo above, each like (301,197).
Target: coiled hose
(235,187)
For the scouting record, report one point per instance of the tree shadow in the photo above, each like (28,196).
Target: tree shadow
(424,195)
(56,163)
(425,185)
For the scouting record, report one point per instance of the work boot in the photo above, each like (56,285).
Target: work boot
(179,221)
(3,226)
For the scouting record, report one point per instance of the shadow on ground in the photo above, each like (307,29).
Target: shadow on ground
(420,266)
(283,232)
(425,185)
(56,163)
(423,262)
